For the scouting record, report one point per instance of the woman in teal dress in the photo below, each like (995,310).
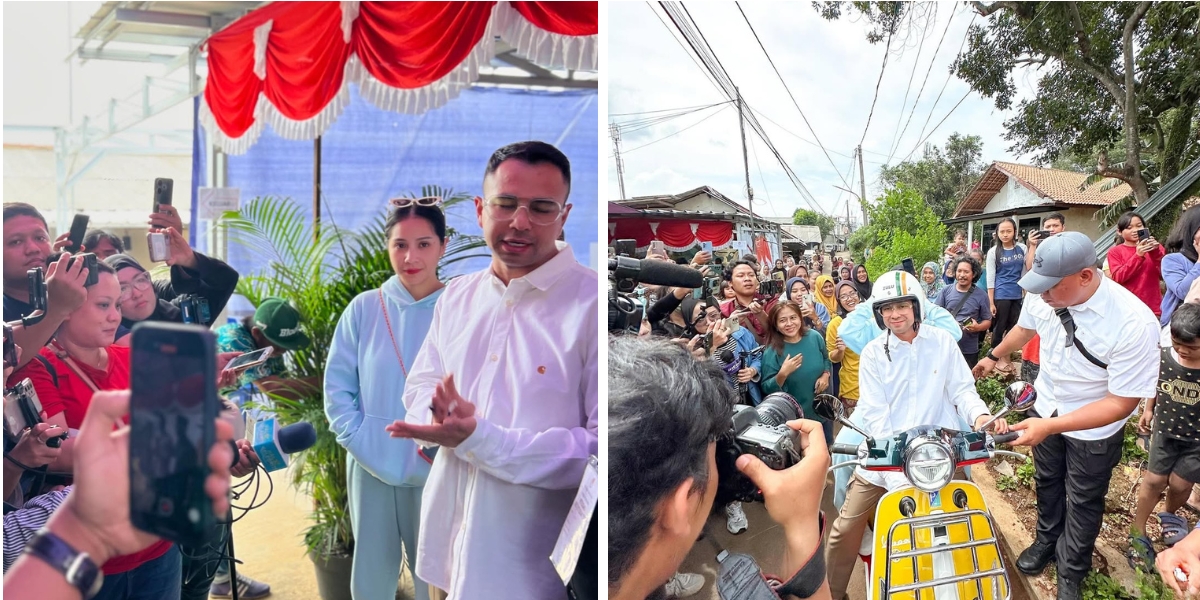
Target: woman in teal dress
(796,361)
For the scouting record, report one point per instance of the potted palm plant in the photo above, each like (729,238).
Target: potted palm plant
(320,272)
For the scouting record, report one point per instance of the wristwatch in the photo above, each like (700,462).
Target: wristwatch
(992,357)
(76,566)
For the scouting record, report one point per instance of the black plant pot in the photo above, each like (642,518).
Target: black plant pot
(333,576)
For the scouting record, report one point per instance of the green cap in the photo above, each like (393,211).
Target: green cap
(280,324)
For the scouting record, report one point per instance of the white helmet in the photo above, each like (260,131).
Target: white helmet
(892,287)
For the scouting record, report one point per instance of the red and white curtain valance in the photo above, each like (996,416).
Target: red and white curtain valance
(289,64)
(677,236)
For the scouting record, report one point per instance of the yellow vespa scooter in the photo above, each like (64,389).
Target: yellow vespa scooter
(934,539)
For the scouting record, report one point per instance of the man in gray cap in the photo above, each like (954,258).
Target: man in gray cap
(1099,359)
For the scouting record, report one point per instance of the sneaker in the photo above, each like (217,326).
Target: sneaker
(247,588)
(737,522)
(682,585)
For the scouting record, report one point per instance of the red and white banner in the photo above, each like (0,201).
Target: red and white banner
(289,64)
(677,236)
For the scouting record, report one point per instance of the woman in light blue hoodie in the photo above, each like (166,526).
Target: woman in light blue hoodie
(374,345)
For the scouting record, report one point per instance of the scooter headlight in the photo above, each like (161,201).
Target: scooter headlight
(929,464)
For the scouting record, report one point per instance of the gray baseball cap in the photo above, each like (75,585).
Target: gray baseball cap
(1058,256)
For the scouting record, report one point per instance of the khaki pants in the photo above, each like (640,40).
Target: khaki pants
(436,593)
(845,537)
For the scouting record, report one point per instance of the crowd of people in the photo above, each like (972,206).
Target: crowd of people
(1096,339)
(497,368)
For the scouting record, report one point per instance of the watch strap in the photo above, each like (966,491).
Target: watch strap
(77,567)
(992,356)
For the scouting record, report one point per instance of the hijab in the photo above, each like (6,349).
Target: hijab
(945,279)
(688,307)
(829,301)
(862,287)
(837,291)
(787,290)
(939,280)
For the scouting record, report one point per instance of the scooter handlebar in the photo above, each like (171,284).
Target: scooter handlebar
(850,449)
(1004,438)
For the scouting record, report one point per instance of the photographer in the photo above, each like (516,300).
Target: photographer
(276,324)
(915,379)
(26,246)
(193,275)
(30,450)
(94,518)
(665,413)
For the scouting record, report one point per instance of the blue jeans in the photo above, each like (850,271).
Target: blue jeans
(156,580)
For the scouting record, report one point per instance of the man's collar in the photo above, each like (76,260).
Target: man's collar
(1093,303)
(546,275)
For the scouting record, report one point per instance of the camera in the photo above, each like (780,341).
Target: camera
(22,409)
(762,431)
(770,287)
(37,288)
(195,309)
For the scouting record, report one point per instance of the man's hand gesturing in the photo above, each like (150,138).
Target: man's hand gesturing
(453,418)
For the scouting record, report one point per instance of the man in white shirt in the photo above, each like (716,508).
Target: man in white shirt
(1099,358)
(919,378)
(520,341)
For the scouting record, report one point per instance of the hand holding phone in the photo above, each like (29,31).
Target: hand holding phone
(79,227)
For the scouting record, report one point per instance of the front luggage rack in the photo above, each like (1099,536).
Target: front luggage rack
(996,573)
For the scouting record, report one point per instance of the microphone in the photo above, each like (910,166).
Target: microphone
(730,364)
(655,272)
(273,443)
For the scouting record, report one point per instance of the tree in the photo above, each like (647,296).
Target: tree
(1121,81)
(804,216)
(941,178)
(901,226)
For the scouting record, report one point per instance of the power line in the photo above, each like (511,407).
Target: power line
(758,166)
(649,112)
(911,76)
(886,52)
(645,123)
(922,90)
(789,92)
(696,40)
(939,96)
(677,132)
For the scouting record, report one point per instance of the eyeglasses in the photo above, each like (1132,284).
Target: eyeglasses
(540,211)
(405,202)
(848,298)
(141,283)
(710,317)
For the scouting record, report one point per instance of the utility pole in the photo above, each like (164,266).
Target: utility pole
(614,131)
(745,158)
(862,182)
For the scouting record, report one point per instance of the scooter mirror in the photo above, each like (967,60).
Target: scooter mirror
(1020,396)
(828,407)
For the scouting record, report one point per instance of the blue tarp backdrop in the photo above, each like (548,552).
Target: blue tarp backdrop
(370,155)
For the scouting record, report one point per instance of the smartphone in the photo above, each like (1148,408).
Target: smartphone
(657,247)
(162,192)
(249,359)
(160,250)
(173,408)
(706,247)
(809,298)
(1042,234)
(89,262)
(10,347)
(907,265)
(1143,234)
(78,229)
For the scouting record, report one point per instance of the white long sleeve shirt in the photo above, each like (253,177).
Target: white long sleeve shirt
(1115,327)
(526,355)
(925,382)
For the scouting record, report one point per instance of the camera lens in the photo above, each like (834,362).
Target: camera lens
(777,409)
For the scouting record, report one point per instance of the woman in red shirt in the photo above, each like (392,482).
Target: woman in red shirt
(1136,262)
(85,360)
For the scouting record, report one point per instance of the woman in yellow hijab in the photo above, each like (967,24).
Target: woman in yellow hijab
(823,293)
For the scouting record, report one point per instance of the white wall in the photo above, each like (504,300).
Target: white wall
(1013,195)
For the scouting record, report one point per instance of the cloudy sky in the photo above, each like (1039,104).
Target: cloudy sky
(830,68)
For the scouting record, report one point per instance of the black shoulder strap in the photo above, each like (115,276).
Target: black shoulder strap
(962,301)
(49,367)
(1068,322)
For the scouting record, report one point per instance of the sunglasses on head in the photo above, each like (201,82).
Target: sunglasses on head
(405,202)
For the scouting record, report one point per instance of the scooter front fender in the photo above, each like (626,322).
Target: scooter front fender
(946,549)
